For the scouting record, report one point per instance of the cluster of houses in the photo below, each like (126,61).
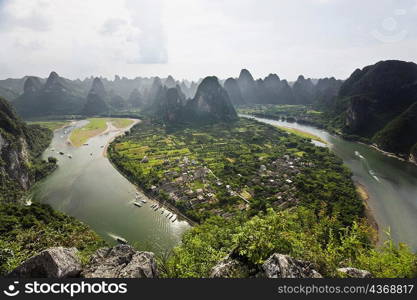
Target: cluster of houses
(193,184)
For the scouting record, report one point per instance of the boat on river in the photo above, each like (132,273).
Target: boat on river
(121,240)
(137,204)
(117,238)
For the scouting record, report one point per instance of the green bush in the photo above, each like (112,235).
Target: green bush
(298,232)
(27,230)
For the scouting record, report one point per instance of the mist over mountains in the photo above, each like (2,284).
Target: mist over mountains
(376,103)
(37,97)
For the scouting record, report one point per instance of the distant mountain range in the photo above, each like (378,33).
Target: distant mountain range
(377,102)
(272,90)
(36,97)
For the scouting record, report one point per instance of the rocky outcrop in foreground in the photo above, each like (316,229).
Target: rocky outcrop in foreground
(276,266)
(56,262)
(284,266)
(354,273)
(121,261)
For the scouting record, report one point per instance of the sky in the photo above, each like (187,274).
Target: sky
(195,38)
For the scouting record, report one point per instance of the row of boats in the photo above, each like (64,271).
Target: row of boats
(140,202)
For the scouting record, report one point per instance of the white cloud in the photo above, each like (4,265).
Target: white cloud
(195,38)
(112,26)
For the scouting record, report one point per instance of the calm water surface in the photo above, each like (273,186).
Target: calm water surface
(90,189)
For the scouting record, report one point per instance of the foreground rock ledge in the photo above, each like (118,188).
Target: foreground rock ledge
(276,266)
(355,273)
(284,266)
(121,261)
(55,262)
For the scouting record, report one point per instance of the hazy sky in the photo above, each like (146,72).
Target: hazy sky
(195,38)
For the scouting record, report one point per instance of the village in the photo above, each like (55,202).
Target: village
(222,171)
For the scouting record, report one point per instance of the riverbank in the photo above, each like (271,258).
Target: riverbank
(316,124)
(303,134)
(162,203)
(95,127)
(369,214)
(121,132)
(393,155)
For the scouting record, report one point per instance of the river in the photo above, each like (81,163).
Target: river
(390,183)
(90,189)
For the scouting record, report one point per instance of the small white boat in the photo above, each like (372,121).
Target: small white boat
(137,204)
(143,200)
(69,156)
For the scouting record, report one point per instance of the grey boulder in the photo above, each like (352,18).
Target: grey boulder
(230,268)
(355,273)
(55,262)
(121,261)
(284,266)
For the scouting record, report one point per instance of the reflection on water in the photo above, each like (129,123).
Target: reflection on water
(89,188)
(391,183)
